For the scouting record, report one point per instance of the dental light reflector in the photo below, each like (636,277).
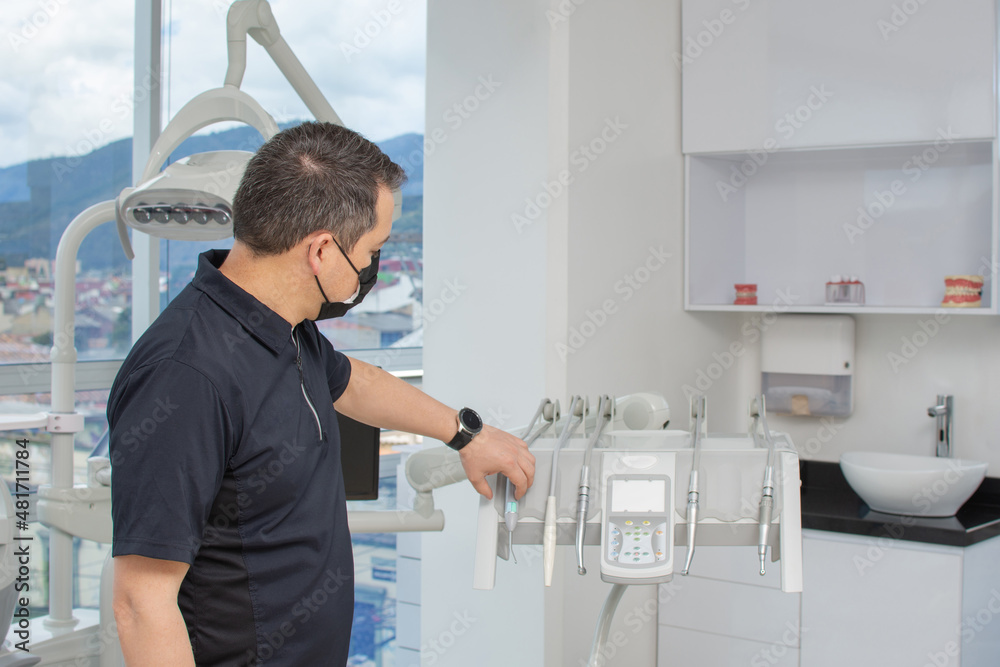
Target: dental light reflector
(190,200)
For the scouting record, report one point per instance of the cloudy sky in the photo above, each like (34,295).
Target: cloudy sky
(66,83)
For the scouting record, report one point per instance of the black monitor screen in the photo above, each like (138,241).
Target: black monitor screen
(359,458)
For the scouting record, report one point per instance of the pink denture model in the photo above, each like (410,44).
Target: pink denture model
(963,292)
(746,294)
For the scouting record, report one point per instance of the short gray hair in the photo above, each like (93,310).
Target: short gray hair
(308,178)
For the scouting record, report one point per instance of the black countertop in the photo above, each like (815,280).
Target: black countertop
(829,503)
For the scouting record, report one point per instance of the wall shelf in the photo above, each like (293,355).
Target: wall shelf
(842,310)
(853,138)
(899,217)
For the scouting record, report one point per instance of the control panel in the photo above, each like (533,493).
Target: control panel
(637,531)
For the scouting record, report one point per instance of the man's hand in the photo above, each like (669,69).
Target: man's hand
(493,451)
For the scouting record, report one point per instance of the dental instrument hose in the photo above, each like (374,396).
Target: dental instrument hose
(604,625)
(604,406)
(549,535)
(549,411)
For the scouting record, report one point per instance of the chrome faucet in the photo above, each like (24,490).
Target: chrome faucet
(943,412)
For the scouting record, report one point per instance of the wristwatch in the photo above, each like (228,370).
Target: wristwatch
(469,426)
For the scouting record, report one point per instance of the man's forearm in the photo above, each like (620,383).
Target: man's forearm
(380,399)
(153,638)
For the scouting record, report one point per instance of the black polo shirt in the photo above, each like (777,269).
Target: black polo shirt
(225,455)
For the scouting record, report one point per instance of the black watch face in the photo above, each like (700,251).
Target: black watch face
(471,420)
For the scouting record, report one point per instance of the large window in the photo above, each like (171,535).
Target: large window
(66,102)
(66,119)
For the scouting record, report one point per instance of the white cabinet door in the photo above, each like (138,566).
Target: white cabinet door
(809,73)
(876,601)
(690,648)
(725,613)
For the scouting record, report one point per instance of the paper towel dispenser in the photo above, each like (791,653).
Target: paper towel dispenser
(807,365)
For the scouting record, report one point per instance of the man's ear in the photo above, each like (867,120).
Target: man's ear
(318,245)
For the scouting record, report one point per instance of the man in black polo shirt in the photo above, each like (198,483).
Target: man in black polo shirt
(231,542)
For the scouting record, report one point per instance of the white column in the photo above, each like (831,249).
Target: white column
(146,129)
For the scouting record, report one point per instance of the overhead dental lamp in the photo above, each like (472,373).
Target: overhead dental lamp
(190,200)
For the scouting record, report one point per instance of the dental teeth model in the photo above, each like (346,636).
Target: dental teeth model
(746,294)
(845,290)
(963,292)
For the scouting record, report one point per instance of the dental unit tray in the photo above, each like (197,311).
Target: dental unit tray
(731,469)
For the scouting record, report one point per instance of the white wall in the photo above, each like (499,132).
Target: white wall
(532,294)
(485,350)
(625,210)
(530,287)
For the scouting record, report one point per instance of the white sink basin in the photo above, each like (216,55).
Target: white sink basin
(912,485)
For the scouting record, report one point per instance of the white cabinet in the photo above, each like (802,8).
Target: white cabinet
(866,601)
(810,73)
(852,138)
(725,613)
(892,603)
(870,601)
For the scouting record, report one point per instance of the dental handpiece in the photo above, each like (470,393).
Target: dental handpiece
(698,412)
(766,508)
(767,493)
(549,412)
(573,419)
(604,409)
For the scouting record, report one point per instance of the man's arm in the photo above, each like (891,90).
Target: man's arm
(150,626)
(377,398)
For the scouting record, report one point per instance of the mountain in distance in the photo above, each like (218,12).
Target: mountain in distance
(39,198)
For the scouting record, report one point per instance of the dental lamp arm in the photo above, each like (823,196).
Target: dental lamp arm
(247,17)
(254,18)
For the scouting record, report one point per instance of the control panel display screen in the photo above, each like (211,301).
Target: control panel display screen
(638,495)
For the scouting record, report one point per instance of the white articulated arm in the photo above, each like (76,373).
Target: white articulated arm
(247,17)
(431,469)
(254,18)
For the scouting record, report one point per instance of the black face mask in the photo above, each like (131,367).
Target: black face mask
(366,280)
